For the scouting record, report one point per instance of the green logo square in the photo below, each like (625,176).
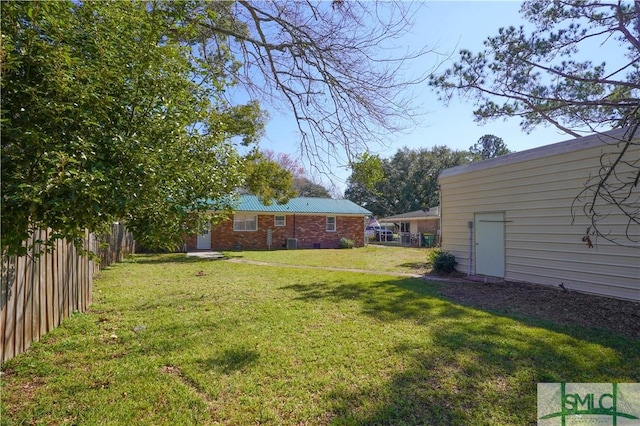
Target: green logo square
(573,404)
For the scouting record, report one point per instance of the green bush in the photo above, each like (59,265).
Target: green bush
(441,261)
(346,243)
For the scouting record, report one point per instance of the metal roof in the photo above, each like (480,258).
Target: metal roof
(251,203)
(431,213)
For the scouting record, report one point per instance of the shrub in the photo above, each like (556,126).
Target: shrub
(346,243)
(442,261)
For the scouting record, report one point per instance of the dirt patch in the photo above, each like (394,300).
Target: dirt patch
(550,303)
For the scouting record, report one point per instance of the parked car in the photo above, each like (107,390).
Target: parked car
(384,235)
(379,233)
(370,231)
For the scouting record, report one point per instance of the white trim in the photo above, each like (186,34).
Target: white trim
(203,240)
(571,145)
(275,220)
(489,238)
(335,224)
(244,218)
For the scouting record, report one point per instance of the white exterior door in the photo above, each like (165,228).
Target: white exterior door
(489,244)
(204,239)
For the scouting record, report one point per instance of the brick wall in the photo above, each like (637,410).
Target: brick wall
(310,230)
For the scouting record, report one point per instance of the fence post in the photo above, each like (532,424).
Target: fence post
(37,292)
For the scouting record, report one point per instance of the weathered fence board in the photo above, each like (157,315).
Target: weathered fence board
(38,292)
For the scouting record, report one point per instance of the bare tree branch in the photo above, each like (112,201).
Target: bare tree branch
(336,67)
(614,188)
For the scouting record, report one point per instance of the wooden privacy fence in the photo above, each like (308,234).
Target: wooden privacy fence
(37,293)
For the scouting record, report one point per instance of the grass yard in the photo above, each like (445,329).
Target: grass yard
(408,260)
(171,340)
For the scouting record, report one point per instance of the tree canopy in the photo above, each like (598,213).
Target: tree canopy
(538,73)
(268,179)
(303,186)
(408,180)
(306,187)
(109,115)
(120,111)
(489,146)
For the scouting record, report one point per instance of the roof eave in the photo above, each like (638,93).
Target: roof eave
(567,146)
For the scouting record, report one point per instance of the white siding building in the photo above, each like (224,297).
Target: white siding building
(511,217)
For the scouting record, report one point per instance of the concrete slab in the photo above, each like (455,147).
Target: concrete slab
(206,254)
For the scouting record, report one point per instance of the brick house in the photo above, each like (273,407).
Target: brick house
(301,223)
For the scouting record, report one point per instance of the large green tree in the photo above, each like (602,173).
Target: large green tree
(303,186)
(109,113)
(539,74)
(306,187)
(406,182)
(119,111)
(268,179)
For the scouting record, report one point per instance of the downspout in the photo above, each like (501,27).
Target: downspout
(437,239)
(470,226)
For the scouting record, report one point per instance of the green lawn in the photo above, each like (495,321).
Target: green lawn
(177,341)
(408,260)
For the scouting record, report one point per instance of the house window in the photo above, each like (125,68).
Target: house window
(331,224)
(405,227)
(279,221)
(245,222)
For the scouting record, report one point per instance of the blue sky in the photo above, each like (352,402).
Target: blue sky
(445,27)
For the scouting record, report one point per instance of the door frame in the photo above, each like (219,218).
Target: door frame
(489,254)
(202,242)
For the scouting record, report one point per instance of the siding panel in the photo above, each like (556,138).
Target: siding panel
(543,236)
